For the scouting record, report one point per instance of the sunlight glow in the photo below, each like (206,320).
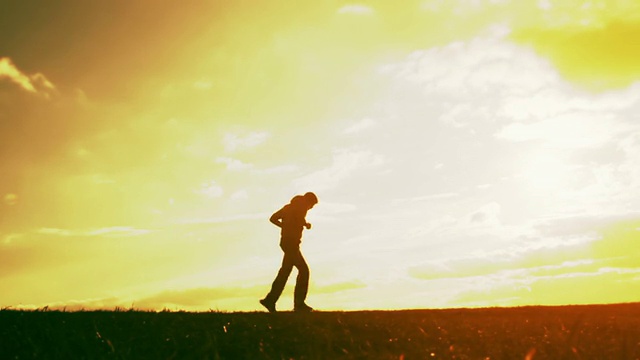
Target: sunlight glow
(545,173)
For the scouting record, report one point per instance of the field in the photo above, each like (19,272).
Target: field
(563,332)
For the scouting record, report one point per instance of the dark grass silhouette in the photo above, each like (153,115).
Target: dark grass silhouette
(562,332)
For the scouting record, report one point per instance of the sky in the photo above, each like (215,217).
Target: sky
(465,153)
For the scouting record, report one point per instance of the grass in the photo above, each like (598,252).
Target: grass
(562,332)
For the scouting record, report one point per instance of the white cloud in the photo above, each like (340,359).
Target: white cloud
(327,208)
(562,117)
(223,219)
(233,164)
(10,199)
(538,285)
(571,130)
(432,5)
(482,66)
(345,163)
(356,9)
(441,196)
(545,5)
(210,189)
(240,195)
(497,113)
(280,169)
(234,142)
(359,126)
(10,238)
(511,260)
(113,231)
(562,99)
(202,85)
(118,231)
(486,215)
(36,83)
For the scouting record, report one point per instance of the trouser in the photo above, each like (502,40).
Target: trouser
(292,257)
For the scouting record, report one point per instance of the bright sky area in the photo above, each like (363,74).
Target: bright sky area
(465,153)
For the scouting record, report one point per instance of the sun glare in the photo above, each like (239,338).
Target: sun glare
(545,172)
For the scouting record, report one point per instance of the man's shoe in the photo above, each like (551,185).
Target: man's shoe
(303,308)
(269,305)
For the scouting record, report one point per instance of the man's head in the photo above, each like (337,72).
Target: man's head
(310,199)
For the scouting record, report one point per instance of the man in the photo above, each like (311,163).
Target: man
(291,220)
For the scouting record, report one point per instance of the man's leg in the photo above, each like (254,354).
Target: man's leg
(281,279)
(302,281)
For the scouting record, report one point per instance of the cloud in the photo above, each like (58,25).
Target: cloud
(280,169)
(329,211)
(43,251)
(550,247)
(487,215)
(233,164)
(129,263)
(533,265)
(234,142)
(545,5)
(36,83)
(224,219)
(210,189)
(359,126)
(559,118)
(240,195)
(500,113)
(512,262)
(10,199)
(571,131)
(554,101)
(459,7)
(431,197)
(114,231)
(119,231)
(209,297)
(338,287)
(356,9)
(598,285)
(106,303)
(203,297)
(345,163)
(481,66)
(10,238)
(337,208)
(203,85)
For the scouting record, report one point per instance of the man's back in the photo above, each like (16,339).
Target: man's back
(292,219)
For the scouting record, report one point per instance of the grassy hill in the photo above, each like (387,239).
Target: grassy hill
(562,332)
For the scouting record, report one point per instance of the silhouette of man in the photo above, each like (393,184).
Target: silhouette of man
(291,220)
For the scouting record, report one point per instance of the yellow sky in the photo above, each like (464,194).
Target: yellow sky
(465,153)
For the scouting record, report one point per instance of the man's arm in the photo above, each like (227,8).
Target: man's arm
(276,218)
